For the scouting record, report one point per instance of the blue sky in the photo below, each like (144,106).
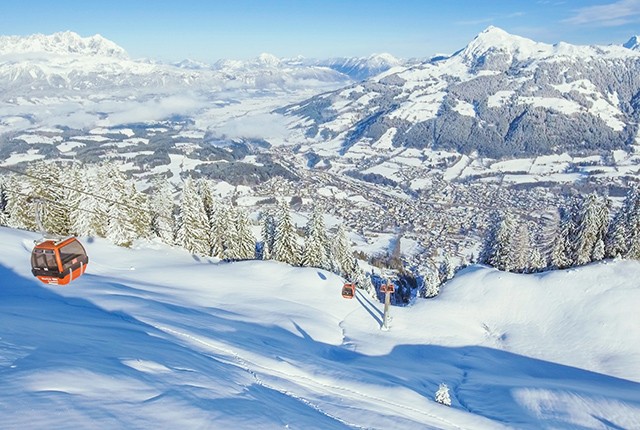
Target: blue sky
(214,29)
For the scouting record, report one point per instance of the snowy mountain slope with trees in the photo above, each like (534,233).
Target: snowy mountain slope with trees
(153,336)
(500,96)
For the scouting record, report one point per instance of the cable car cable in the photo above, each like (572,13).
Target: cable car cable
(62,205)
(106,199)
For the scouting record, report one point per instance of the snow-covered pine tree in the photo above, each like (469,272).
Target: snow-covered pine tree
(120,227)
(562,254)
(489,242)
(446,270)
(592,223)
(230,236)
(268,233)
(536,261)
(4,216)
(86,218)
(520,245)
(193,226)
(73,177)
(208,200)
(344,261)
(20,208)
(616,241)
(498,249)
(285,246)
(633,225)
(242,245)
(46,186)
(140,218)
(162,210)
(363,281)
(431,286)
(442,395)
(245,242)
(316,242)
(222,230)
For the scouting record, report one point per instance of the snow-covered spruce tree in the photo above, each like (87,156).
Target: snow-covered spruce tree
(616,241)
(242,243)
(74,177)
(442,395)
(446,270)
(208,200)
(106,175)
(222,230)
(316,243)
(431,287)
(19,207)
(193,225)
(592,224)
(229,237)
(4,216)
(46,185)
(363,281)
(489,242)
(520,245)
(498,249)
(162,210)
(86,219)
(633,227)
(120,227)
(285,246)
(268,233)
(536,261)
(140,213)
(344,260)
(562,254)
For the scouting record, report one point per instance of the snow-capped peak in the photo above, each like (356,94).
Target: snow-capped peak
(268,60)
(382,60)
(495,40)
(633,43)
(66,42)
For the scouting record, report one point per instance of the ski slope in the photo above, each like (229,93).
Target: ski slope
(153,337)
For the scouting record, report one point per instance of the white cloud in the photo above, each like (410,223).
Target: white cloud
(608,15)
(152,110)
(262,125)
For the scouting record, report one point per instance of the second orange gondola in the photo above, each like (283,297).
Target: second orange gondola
(349,290)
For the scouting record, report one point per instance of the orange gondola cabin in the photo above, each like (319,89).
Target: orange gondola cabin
(349,290)
(58,262)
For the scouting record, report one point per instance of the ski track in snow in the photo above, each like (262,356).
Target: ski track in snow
(245,365)
(315,384)
(183,334)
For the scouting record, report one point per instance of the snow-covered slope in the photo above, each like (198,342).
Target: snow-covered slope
(152,337)
(501,96)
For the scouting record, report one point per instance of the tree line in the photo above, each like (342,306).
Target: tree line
(584,232)
(100,201)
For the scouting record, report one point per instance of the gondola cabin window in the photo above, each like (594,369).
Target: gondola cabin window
(70,254)
(44,259)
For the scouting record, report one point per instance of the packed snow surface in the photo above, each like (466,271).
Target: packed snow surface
(153,337)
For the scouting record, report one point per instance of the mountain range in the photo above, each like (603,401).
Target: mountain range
(501,96)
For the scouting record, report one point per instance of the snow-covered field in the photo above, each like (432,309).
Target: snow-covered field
(153,337)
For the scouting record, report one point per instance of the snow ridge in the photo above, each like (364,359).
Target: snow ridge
(66,42)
